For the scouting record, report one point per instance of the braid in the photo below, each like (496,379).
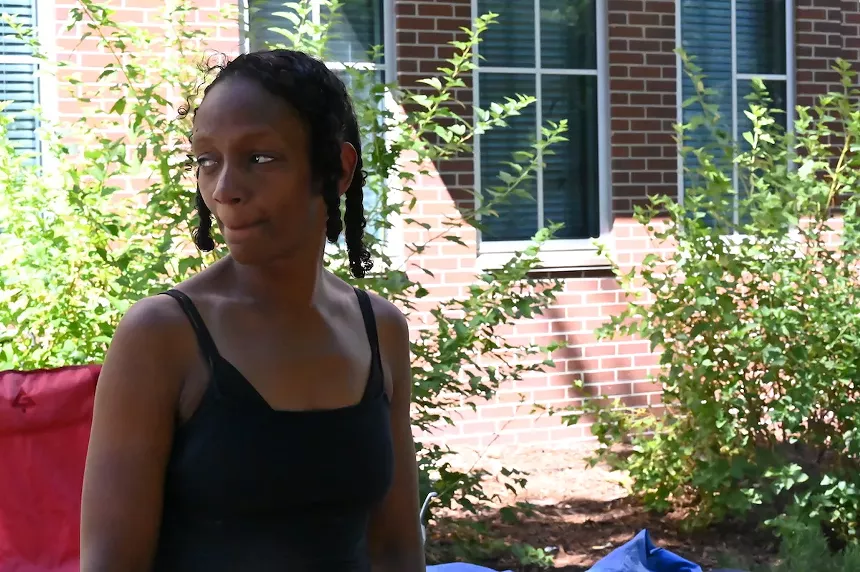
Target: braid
(334,223)
(203,233)
(321,99)
(360,262)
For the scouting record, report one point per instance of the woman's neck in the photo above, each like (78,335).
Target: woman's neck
(293,283)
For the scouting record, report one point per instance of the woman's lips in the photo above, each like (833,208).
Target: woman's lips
(240,231)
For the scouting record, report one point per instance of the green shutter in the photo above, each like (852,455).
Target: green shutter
(18,82)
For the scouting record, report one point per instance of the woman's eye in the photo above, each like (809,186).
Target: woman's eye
(205,162)
(260,159)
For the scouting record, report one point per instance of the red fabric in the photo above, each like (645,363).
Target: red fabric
(45,419)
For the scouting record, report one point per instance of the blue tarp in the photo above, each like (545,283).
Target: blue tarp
(640,555)
(458,567)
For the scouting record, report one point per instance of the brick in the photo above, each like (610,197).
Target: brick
(406,37)
(642,19)
(647,387)
(478,428)
(404,9)
(436,9)
(617,18)
(614,389)
(626,31)
(631,374)
(601,350)
(621,84)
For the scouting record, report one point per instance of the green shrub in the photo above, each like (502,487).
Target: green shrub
(756,319)
(805,548)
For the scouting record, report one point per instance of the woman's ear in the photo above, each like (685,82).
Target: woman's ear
(348,160)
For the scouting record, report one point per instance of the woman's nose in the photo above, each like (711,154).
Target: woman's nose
(228,188)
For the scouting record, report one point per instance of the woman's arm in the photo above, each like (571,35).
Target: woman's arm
(133,421)
(395,530)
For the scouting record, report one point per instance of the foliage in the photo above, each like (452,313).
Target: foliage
(79,247)
(475,542)
(806,548)
(755,314)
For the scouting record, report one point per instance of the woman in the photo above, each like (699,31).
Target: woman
(256,418)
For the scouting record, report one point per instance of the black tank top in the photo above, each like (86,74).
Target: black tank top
(250,488)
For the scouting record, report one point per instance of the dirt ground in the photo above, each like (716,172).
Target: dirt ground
(580,514)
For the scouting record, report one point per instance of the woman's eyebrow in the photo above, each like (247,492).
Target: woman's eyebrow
(198,139)
(203,138)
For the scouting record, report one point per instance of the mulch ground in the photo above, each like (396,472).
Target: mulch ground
(579,514)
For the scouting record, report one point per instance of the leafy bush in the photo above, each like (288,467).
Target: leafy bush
(805,548)
(755,314)
(78,247)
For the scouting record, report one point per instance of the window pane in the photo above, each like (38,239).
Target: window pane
(358,29)
(760,26)
(359,84)
(570,179)
(510,42)
(568,34)
(517,218)
(706,35)
(261,20)
(19,85)
(776,91)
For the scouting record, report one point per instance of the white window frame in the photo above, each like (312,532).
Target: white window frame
(560,254)
(789,77)
(395,247)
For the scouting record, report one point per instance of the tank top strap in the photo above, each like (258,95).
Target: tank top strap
(375,383)
(204,338)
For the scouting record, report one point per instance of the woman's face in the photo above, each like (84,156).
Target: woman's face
(254,172)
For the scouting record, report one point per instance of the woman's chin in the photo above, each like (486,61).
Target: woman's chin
(246,254)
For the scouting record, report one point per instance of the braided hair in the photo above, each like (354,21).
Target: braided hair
(321,100)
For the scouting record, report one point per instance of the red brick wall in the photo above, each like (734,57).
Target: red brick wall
(87,60)
(642,101)
(642,84)
(824,31)
(642,91)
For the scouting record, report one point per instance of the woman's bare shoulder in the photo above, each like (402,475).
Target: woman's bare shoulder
(154,337)
(389,318)
(157,319)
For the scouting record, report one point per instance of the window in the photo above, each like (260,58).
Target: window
(18,81)
(735,41)
(359,29)
(553,50)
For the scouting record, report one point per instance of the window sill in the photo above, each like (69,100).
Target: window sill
(556,256)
